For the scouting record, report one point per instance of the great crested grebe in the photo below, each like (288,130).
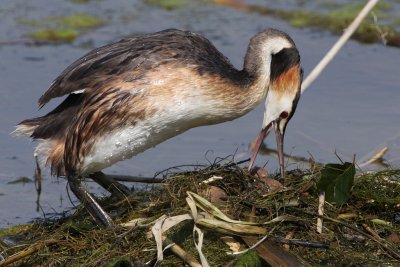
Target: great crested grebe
(128,96)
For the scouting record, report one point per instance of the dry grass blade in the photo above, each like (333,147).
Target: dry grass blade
(284,218)
(206,206)
(199,245)
(162,225)
(378,157)
(186,257)
(231,228)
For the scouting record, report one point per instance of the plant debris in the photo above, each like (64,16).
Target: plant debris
(178,221)
(62,28)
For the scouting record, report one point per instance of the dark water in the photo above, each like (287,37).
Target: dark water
(352,108)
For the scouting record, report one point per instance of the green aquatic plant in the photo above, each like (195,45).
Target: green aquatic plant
(78,21)
(168,4)
(348,12)
(337,20)
(60,35)
(62,28)
(379,188)
(80,1)
(333,20)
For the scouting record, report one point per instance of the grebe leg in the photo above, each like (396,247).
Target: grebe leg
(90,203)
(111,185)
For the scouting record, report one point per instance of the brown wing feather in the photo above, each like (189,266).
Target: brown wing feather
(54,124)
(139,54)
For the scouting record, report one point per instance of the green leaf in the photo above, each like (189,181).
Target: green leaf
(336,181)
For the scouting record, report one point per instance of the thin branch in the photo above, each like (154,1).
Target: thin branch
(28,251)
(135,179)
(303,243)
(381,242)
(178,251)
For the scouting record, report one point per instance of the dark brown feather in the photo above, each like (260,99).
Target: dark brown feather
(55,123)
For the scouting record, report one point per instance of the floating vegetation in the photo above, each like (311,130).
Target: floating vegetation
(234,210)
(348,12)
(63,28)
(77,21)
(65,35)
(335,20)
(21,180)
(168,4)
(80,1)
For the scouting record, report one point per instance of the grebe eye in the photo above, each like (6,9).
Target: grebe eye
(284,115)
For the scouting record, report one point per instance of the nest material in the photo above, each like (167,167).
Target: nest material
(365,230)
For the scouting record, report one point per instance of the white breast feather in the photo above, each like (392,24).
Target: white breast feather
(182,114)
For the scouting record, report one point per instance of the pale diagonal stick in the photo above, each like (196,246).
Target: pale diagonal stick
(338,45)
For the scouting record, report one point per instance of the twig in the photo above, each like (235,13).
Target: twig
(384,144)
(286,245)
(153,180)
(395,254)
(302,243)
(237,163)
(338,45)
(38,182)
(178,251)
(135,179)
(382,34)
(321,202)
(392,252)
(372,232)
(378,157)
(166,171)
(22,254)
(381,242)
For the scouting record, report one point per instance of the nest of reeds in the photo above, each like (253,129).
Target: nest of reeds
(222,215)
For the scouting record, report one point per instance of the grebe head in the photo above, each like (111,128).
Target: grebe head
(283,92)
